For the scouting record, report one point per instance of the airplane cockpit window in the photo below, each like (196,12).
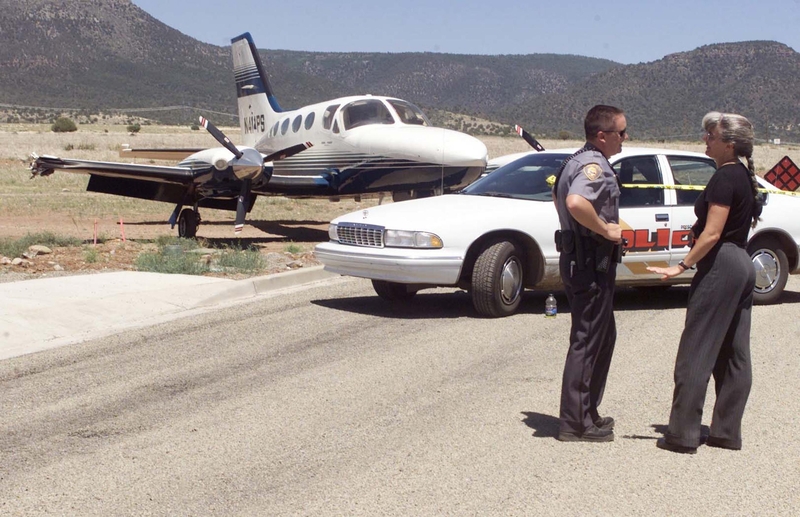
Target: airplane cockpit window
(327,117)
(336,126)
(309,120)
(296,123)
(285,126)
(364,112)
(409,114)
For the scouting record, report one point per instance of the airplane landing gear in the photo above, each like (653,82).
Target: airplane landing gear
(188,222)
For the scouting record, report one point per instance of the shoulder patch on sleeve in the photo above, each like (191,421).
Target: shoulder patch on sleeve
(592,171)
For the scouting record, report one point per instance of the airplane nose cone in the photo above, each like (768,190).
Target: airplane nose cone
(462,149)
(422,144)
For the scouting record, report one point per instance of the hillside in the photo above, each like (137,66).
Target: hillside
(92,56)
(668,98)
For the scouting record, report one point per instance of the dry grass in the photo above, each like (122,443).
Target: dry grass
(64,194)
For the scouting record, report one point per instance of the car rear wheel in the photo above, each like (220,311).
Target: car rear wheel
(772,271)
(497,280)
(393,291)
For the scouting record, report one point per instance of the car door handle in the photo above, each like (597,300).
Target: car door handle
(662,217)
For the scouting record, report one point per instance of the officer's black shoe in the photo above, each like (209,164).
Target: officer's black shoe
(606,423)
(662,443)
(592,434)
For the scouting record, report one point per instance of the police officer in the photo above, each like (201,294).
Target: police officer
(586,194)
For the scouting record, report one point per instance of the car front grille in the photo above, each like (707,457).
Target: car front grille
(356,234)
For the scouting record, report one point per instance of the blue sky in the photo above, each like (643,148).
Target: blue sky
(625,31)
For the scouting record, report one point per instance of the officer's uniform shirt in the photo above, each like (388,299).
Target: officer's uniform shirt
(589,175)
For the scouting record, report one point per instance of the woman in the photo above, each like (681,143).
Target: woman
(716,336)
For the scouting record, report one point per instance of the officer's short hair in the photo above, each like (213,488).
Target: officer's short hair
(599,118)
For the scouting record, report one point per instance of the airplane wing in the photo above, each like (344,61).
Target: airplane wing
(157,154)
(46,165)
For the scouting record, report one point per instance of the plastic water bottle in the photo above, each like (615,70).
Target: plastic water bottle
(550,307)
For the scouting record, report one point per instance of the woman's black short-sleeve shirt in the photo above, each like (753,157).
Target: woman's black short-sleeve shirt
(729,186)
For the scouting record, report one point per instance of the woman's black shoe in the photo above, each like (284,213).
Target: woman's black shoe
(680,449)
(722,443)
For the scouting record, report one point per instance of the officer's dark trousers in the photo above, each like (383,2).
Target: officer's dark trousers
(591,342)
(715,340)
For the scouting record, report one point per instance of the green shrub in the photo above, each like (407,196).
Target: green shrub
(168,262)
(292,248)
(194,127)
(134,128)
(63,125)
(90,255)
(241,260)
(15,247)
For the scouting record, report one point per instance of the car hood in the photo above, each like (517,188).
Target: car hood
(436,214)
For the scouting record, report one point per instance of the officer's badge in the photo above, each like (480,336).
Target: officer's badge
(592,171)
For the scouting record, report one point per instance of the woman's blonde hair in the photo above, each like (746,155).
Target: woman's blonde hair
(737,130)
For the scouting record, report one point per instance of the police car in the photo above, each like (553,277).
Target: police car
(495,238)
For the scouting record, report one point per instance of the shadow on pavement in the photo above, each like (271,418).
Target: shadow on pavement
(544,426)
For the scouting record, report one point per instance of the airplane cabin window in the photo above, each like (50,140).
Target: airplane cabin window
(275,128)
(309,120)
(366,112)
(327,117)
(296,123)
(409,114)
(285,126)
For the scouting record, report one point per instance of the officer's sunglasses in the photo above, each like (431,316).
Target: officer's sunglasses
(621,132)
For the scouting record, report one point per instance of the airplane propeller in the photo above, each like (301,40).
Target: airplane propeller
(528,138)
(246,160)
(220,137)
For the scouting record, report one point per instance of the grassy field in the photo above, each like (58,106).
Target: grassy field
(63,196)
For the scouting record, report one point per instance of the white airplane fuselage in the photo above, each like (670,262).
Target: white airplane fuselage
(360,144)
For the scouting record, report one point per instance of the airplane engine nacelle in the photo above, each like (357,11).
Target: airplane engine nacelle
(249,166)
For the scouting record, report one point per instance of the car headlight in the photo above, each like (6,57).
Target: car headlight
(409,239)
(333,233)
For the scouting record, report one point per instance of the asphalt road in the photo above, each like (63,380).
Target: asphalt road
(328,401)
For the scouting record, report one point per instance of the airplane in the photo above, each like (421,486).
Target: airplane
(348,146)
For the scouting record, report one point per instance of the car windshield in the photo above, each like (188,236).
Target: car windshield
(524,178)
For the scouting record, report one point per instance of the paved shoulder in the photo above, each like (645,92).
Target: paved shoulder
(45,313)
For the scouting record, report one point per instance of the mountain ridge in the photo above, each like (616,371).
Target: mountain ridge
(92,56)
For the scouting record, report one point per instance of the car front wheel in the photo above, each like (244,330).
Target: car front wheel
(497,280)
(772,271)
(393,291)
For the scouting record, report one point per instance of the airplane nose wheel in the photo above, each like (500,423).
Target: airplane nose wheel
(187,223)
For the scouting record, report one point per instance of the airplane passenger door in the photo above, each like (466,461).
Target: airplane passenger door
(645,216)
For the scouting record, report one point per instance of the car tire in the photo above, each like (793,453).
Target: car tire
(393,291)
(497,280)
(187,224)
(772,271)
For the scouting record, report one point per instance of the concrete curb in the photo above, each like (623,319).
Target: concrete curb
(240,289)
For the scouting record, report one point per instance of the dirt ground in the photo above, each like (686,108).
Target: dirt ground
(286,245)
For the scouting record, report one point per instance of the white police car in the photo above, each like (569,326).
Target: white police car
(495,238)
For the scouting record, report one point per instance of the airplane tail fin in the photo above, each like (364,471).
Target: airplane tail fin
(258,107)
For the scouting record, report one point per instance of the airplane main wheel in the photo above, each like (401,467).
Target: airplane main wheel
(187,223)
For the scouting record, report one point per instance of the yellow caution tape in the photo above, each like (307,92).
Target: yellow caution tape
(551,180)
(702,187)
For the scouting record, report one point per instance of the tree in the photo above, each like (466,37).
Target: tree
(134,128)
(63,125)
